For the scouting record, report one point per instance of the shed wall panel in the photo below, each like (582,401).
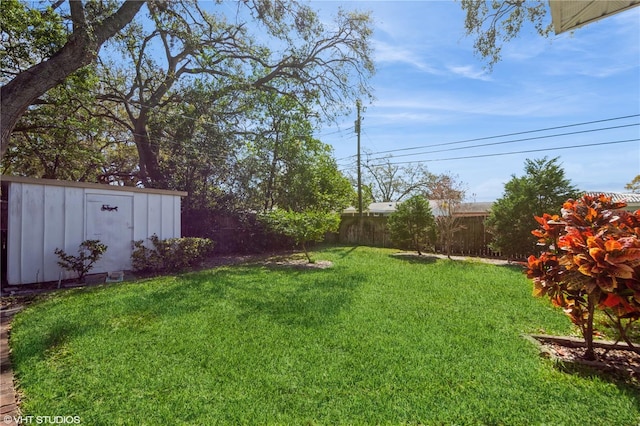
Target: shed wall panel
(167,217)
(141,217)
(32,254)
(14,234)
(74,212)
(154,216)
(54,224)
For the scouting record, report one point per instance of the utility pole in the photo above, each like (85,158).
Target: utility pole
(357,129)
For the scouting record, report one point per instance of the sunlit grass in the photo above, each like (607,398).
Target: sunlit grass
(376,339)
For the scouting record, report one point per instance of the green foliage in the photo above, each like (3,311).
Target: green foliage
(89,252)
(447,192)
(634,185)
(543,188)
(493,23)
(413,223)
(302,227)
(170,255)
(592,260)
(29,36)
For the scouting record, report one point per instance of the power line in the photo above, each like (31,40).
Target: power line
(505,135)
(513,152)
(515,140)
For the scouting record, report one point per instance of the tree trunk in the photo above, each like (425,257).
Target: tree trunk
(588,334)
(80,50)
(150,173)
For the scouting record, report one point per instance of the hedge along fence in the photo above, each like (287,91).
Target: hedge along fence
(473,240)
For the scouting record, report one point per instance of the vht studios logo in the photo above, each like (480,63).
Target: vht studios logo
(42,420)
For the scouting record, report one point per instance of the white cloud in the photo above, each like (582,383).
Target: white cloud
(469,71)
(393,54)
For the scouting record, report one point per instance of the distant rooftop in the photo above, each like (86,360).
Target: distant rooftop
(385,209)
(628,197)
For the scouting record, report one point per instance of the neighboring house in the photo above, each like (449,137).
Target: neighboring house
(632,200)
(473,239)
(40,215)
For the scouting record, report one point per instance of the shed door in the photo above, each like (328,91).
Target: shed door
(110,220)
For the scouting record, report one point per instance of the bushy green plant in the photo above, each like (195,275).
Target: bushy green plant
(173,254)
(412,224)
(89,252)
(591,261)
(303,227)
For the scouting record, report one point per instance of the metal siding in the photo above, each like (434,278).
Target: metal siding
(154,216)
(32,253)
(14,234)
(140,217)
(54,223)
(177,219)
(74,226)
(167,217)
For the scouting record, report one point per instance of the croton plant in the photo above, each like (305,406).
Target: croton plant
(591,260)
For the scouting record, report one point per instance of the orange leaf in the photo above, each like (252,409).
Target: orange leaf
(611,300)
(611,245)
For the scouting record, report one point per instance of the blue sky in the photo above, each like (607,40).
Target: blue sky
(431,89)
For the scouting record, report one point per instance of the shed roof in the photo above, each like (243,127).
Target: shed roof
(72,184)
(569,15)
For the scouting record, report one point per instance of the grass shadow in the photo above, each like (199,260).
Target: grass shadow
(415,258)
(314,299)
(628,385)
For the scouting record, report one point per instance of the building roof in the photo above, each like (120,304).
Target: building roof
(569,15)
(628,197)
(72,184)
(385,209)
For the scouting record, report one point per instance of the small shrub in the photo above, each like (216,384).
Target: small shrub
(303,227)
(592,261)
(89,252)
(173,254)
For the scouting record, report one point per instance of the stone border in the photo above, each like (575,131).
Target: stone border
(9,408)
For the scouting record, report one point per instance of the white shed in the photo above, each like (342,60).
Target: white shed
(40,215)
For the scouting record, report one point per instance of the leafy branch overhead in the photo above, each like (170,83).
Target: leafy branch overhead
(493,23)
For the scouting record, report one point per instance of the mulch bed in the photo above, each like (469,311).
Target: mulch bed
(612,358)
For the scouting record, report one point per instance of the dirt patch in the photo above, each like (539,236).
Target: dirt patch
(612,358)
(425,256)
(281,259)
(299,263)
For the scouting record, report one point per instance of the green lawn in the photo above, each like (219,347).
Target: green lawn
(376,339)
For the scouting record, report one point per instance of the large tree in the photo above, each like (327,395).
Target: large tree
(387,181)
(543,188)
(57,57)
(313,65)
(285,167)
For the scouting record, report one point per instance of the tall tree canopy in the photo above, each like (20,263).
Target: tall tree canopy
(319,68)
(543,188)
